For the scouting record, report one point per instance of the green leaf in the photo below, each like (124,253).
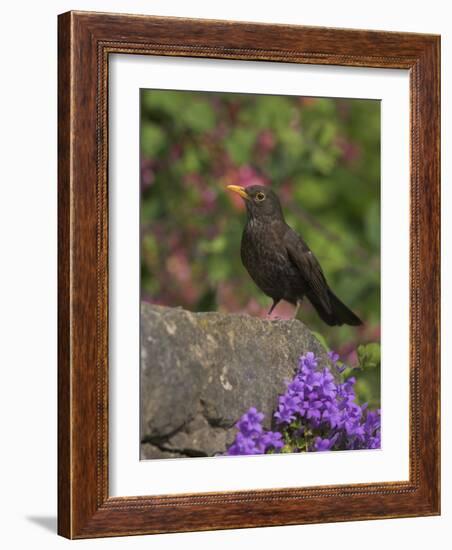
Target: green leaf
(153,139)
(311,192)
(219,269)
(373,223)
(162,101)
(215,246)
(191,161)
(369,355)
(198,116)
(323,160)
(240,143)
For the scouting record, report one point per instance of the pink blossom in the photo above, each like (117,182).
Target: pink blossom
(349,150)
(266,142)
(147,173)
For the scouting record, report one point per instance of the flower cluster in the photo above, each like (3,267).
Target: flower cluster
(316,413)
(251,438)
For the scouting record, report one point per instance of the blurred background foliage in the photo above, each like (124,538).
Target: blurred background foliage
(322,157)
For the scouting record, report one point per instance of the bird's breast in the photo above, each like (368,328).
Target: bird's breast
(266,260)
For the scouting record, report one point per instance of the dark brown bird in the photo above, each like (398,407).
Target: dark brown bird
(281,263)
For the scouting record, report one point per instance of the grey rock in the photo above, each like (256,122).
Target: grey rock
(201,371)
(152,451)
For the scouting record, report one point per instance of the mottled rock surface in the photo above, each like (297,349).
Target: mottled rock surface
(201,371)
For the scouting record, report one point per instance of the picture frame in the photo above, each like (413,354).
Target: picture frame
(85,42)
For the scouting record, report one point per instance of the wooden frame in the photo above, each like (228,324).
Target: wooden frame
(85,42)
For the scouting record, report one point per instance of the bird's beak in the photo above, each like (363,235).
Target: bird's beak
(240,190)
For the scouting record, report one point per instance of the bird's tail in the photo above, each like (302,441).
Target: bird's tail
(337,313)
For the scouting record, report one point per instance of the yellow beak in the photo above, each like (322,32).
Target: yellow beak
(240,190)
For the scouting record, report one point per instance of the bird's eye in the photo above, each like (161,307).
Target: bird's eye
(260,197)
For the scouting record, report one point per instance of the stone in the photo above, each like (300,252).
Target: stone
(152,451)
(200,372)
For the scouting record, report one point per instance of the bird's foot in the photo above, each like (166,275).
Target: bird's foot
(275,303)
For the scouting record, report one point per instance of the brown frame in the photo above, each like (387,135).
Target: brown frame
(85,41)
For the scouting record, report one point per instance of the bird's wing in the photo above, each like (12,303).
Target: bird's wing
(308,266)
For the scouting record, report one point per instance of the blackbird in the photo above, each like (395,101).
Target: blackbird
(281,263)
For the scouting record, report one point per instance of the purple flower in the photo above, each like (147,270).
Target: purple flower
(295,387)
(309,361)
(271,440)
(333,356)
(324,444)
(244,446)
(251,422)
(287,408)
(328,384)
(372,437)
(316,413)
(314,410)
(252,439)
(310,394)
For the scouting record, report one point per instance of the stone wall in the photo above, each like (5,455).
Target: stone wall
(201,371)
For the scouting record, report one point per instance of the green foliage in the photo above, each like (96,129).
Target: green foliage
(322,156)
(367,374)
(369,355)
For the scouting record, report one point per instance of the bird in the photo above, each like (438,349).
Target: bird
(280,262)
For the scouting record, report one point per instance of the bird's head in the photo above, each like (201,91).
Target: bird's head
(260,201)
